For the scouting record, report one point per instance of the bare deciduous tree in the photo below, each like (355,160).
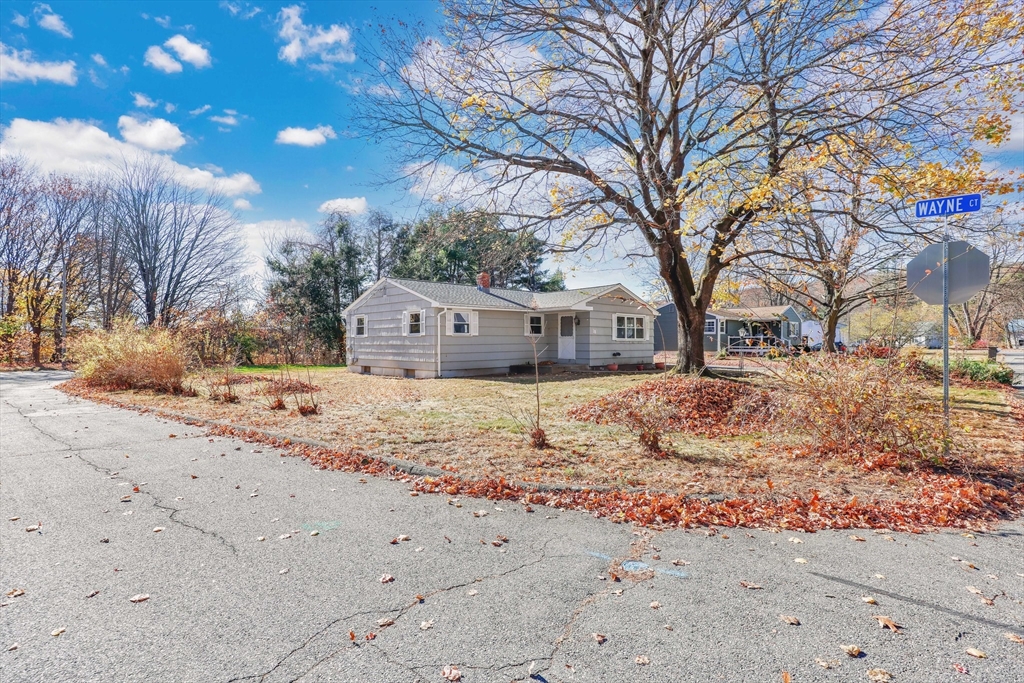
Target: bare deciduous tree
(679,124)
(182,243)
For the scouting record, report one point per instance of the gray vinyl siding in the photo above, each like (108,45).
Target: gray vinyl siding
(385,349)
(500,344)
(601,346)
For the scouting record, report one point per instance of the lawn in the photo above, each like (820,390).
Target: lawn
(474,427)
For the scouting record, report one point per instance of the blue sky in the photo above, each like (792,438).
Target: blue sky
(253,97)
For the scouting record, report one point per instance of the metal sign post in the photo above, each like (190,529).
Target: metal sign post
(965,271)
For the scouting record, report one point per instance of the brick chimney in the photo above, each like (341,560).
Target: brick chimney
(483,282)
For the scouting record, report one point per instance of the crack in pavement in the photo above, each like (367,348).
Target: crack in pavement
(915,601)
(399,612)
(32,423)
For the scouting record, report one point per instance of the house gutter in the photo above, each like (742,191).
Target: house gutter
(439,315)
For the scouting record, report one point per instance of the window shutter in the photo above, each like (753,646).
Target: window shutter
(423,321)
(647,327)
(449,323)
(526,324)
(405,323)
(615,322)
(474,323)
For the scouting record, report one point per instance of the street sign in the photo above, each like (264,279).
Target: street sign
(947,206)
(968,273)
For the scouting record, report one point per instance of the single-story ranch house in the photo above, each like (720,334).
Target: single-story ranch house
(736,330)
(410,328)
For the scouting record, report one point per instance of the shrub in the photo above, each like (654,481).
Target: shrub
(131,358)
(980,370)
(874,351)
(876,413)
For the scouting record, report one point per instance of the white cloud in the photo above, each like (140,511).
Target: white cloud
(225,120)
(230,112)
(20,20)
(242,204)
(46,18)
(163,21)
(349,205)
(200,110)
(77,147)
(242,10)
(304,41)
(18,65)
(158,135)
(187,51)
(98,58)
(170,107)
(161,61)
(142,100)
(305,137)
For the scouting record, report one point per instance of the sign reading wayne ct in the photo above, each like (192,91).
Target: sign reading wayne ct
(947,206)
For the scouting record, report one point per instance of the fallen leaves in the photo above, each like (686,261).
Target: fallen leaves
(750,586)
(859,539)
(851,650)
(57,631)
(386,578)
(868,599)
(655,605)
(974,590)
(480,513)
(93,594)
(960,668)
(158,529)
(426,625)
(15,593)
(886,623)
(13,647)
(975,652)
(680,563)
(34,527)
(599,637)
(450,673)
(1014,638)
(789,619)
(283,536)
(879,675)
(800,560)
(786,678)
(384,623)
(141,597)
(822,663)
(794,539)
(642,660)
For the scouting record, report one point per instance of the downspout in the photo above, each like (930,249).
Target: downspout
(443,311)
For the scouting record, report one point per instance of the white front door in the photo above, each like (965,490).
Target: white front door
(566,337)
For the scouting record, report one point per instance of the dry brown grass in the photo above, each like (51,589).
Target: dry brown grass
(468,426)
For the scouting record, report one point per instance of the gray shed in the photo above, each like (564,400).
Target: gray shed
(412,328)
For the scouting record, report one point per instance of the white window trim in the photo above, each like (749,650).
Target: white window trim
(615,324)
(528,328)
(721,326)
(355,326)
(713,323)
(474,323)
(407,322)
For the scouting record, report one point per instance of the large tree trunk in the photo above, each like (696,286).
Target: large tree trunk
(37,345)
(690,307)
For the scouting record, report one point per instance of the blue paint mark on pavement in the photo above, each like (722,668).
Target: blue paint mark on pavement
(636,566)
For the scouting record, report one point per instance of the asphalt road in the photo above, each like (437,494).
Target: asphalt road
(225,606)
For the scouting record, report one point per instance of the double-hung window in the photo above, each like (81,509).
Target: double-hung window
(359,323)
(413,323)
(630,327)
(710,326)
(534,325)
(461,322)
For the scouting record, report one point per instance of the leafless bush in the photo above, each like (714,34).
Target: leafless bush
(130,358)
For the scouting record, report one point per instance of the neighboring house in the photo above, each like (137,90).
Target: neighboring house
(411,328)
(928,335)
(813,333)
(740,328)
(1015,333)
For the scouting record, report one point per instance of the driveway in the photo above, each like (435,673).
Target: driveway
(259,568)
